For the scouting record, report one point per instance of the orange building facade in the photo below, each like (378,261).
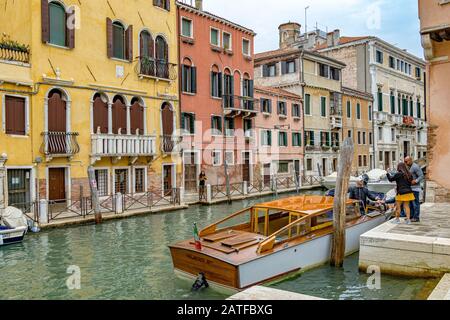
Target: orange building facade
(216,97)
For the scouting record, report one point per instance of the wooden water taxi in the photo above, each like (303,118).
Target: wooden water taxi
(268,241)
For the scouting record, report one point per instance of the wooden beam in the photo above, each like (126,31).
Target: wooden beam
(340,203)
(94,195)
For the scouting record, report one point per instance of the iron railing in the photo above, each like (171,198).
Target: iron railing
(240,103)
(157,68)
(60,143)
(169,143)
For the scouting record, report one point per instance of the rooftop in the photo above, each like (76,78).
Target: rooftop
(278,92)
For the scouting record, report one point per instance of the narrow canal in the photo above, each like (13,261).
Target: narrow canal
(129,259)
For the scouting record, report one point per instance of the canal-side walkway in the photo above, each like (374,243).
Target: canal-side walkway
(442,290)
(420,250)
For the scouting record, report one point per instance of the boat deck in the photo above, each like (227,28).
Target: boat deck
(237,247)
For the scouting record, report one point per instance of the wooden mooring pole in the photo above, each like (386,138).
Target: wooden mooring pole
(340,199)
(94,195)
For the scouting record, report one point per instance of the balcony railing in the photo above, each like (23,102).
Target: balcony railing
(61,144)
(336,122)
(170,143)
(238,103)
(115,145)
(156,68)
(14,55)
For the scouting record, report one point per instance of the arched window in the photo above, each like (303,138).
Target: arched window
(147,53)
(57,21)
(216,82)
(162,58)
(146,45)
(118,40)
(119,115)
(100,113)
(137,116)
(228,88)
(188,76)
(56,111)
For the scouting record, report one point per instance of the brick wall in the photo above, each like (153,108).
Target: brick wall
(348,56)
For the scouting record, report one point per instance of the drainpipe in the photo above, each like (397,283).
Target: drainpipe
(303,118)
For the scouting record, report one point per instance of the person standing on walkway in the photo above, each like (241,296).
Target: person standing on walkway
(405,195)
(202,183)
(418,177)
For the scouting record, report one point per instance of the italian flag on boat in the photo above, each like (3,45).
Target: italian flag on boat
(198,244)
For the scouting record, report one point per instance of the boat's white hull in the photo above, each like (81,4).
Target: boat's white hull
(11,236)
(303,256)
(379,187)
(292,259)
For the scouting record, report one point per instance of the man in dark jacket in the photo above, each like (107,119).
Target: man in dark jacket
(364,196)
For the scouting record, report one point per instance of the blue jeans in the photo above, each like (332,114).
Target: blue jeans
(415,206)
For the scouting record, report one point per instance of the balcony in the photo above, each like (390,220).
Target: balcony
(237,105)
(118,146)
(59,144)
(156,69)
(11,50)
(409,122)
(170,144)
(336,122)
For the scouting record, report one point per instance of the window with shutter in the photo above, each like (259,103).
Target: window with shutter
(323,109)
(137,117)
(118,41)
(57,24)
(119,115)
(15,115)
(100,115)
(129,43)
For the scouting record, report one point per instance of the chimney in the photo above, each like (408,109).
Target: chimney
(330,37)
(199,4)
(336,37)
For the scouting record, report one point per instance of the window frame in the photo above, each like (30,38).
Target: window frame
(108,181)
(218,37)
(248,54)
(191,36)
(27,114)
(145,186)
(231,40)
(49,42)
(213,157)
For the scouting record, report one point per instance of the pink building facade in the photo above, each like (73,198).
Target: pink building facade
(279,133)
(216,98)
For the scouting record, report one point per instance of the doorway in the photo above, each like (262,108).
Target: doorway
(387,160)
(324,167)
(57,185)
(168,180)
(190,172)
(266,174)
(167,128)
(246,166)
(406,149)
(19,194)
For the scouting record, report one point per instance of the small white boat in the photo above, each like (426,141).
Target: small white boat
(377,181)
(13,226)
(268,241)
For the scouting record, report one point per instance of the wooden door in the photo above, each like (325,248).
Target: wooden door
(324,167)
(56,184)
(246,167)
(190,173)
(167,177)
(387,160)
(267,174)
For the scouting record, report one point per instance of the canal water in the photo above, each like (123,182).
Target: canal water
(129,259)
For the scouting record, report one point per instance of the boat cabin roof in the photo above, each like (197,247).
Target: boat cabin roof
(302,205)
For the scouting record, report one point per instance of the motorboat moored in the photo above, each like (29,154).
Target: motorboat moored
(268,241)
(13,226)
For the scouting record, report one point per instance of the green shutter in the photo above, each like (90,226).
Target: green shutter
(308,104)
(269,137)
(392,104)
(183,124)
(324,107)
(380,101)
(57,24)
(192,118)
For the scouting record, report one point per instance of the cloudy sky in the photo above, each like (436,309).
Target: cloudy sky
(394,21)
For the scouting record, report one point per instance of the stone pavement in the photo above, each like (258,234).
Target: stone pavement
(435,222)
(418,250)
(265,293)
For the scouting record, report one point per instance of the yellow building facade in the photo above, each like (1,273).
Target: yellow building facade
(90,83)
